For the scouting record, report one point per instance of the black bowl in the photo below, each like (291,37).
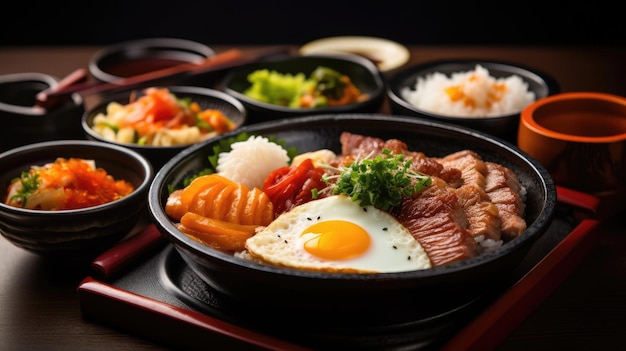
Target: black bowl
(29,123)
(80,233)
(504,127)
(158,155)
(355,298)
(363,73)
(131,58)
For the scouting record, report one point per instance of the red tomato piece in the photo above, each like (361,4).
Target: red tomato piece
(288,187)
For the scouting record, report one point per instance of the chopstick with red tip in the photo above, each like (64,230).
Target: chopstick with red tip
(227,59)
(51,96)
(48,97)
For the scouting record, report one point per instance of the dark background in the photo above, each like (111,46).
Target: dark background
(297,22)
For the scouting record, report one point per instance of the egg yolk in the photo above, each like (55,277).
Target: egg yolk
(335,240)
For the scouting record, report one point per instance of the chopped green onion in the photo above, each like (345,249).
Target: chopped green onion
(382,181)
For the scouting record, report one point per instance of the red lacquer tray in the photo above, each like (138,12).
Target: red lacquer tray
(142,286)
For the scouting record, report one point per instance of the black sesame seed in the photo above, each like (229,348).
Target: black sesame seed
(286,242)
(408,258)
(364,209)
(385,229)
(395,247)
(318,218)
(309,219)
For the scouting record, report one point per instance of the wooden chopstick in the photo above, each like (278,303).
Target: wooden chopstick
(53,95)
(46,97)
(227,59)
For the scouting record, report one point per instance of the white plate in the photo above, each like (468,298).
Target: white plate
(385,53)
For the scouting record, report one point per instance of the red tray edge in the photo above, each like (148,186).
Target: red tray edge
(97,299)
(483,333)
(499,319)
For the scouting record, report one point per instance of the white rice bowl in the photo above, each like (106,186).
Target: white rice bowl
(470,94)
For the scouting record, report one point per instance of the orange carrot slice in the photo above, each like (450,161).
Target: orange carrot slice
(201,183)
(217,233)
(174,206)
(205,201)
(219,198)
(222,203)
(238,206)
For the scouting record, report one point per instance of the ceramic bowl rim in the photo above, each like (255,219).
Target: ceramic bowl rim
(398,80)
(161,219)
(377,76)
(140,190)
(357,43)
(527,117)
(172,44)
(183,89)
(35,110)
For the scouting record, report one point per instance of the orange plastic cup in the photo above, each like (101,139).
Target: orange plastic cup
(580,137)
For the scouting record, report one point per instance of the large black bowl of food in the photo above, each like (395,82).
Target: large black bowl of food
(283,86)
(361,219)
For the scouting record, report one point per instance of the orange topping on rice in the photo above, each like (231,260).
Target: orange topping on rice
(459,93)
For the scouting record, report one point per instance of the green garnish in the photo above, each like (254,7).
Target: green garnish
(30,184)
(224,146)
(184,102)
(114,127)
(141,141)
(202,123)
(382,181)
(329,82)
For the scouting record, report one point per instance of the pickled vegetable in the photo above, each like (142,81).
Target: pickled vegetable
(65,184)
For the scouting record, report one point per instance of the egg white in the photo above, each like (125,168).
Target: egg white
(392,248)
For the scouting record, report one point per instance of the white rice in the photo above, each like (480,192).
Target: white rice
(485,245)
(477,94)
(250,162)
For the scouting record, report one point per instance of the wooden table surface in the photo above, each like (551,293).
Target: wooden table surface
(39,308)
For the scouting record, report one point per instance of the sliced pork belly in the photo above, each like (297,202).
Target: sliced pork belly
(505,191)
(483,217)
(500,185)
(501,177)
(470,205)
(436,219)
(355,146)
(472,167)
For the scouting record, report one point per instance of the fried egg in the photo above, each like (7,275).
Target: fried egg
(335,234)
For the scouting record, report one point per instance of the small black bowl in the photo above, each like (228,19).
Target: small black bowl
(26,122)
(74,234)
(159,155)
(364,74)
(357,299)
(504,127)
(135,57)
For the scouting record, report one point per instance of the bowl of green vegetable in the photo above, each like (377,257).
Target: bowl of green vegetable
(290,85)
